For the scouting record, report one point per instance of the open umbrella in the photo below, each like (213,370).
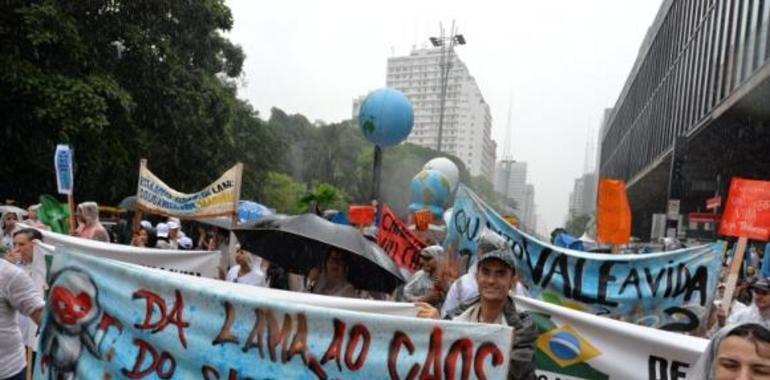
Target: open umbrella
(128,203)
(299,243)
(249,211)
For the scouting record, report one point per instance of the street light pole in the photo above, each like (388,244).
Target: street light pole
(447,44)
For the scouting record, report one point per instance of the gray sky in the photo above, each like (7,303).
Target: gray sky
(564,61)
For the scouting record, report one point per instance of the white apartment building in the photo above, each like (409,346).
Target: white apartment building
(467,123)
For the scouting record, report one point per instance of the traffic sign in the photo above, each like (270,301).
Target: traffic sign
(672,212)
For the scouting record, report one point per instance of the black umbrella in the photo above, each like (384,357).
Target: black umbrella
(299,243)
(128,203)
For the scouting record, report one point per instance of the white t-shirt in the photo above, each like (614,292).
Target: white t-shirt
(746,314)
(472,315)
(37,271)
(256,277)
(17,293)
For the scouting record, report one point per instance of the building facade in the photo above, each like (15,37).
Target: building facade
(694,110)
(511,182)
(467,124)
(582,199)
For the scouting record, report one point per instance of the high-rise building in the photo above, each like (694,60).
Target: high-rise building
(467,124)
(511,182)
(693,112)
(530,210)
(582,199)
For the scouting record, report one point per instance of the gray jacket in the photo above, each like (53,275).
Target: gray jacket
(522,363)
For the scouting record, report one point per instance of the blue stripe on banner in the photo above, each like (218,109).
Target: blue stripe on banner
(667,290)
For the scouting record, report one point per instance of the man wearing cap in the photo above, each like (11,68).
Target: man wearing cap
(757,312)
(496,277)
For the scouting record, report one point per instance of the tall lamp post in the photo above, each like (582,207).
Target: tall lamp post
(447,44)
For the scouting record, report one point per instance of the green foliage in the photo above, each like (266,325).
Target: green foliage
(121,81)
(324,196)
(118,82)
(281,192)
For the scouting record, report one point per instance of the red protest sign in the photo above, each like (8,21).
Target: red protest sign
(361,215)
(398,241)
(747,213)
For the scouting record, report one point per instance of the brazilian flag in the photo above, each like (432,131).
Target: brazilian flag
(54,214)
(563,351)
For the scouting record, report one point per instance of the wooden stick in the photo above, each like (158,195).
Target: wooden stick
(71,205)
(732,277)
(30,365)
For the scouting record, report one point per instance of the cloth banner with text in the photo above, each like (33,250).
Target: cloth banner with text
(195,263)
(577,345)
(219,198)
(668,290)
(401,244)
(108,319)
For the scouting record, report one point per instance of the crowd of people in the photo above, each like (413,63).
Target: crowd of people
(484,294)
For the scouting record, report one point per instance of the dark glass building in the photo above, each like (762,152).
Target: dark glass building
(695,110)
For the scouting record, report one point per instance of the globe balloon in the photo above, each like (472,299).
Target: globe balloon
(447,168)
(429,190)
(386,117)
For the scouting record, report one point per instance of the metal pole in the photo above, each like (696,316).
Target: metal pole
(442,98)
(377,173)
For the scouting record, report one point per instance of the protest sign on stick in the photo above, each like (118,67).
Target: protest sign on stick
(65,178)
(746,216)
(614,214)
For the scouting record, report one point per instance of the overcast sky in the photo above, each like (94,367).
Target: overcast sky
(563,61)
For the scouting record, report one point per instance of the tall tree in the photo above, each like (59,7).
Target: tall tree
(118,81)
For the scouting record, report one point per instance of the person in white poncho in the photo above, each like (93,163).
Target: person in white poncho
(737,352)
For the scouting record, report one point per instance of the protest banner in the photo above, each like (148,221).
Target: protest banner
(746,216)
(401,244)
(195,263)
(218,199)
(613,213)
(577,345)
(107,319)
(667,290)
